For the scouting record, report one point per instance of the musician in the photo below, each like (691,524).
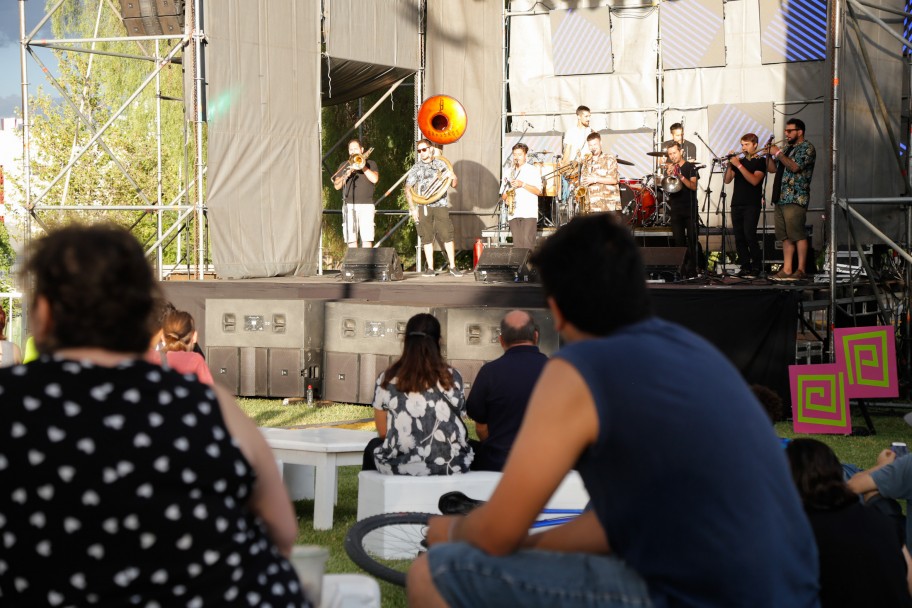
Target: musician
(747,170)
(683,205)
(794,168)
(358,198)
(525,187)
(433,220)
(677,136)
(575,145)
(600,177)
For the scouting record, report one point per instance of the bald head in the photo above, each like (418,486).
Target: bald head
(518,327)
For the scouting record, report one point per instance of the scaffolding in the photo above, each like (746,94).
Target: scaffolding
(182,213)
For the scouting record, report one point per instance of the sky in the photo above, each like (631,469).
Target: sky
(10,73)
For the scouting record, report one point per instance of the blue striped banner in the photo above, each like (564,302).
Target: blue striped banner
(729,122)
(578,44)
(689,29)
(797,31)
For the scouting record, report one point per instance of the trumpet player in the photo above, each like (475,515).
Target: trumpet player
(794,168)
(683,205)
(747,170)
(357,185)
(433,220)
(600,177)
(524,188)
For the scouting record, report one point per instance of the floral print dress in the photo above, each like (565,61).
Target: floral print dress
(425,432)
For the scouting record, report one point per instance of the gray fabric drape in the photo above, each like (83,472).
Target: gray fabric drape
(464,59)
(264,190)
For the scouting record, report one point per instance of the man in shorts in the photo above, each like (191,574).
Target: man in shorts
(357,186)
(433,219)
(794,168)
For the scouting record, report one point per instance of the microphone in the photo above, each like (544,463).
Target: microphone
(530,125)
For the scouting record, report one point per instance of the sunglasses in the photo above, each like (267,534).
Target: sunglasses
(790,130)
(423,149)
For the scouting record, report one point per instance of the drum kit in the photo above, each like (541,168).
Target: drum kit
(644,199)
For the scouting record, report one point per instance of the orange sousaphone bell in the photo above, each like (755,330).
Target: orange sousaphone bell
(442,119)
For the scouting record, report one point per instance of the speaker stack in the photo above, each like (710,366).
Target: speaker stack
(153,17)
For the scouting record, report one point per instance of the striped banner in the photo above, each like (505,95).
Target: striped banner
(691,34)
(581,41)
(793,30)
(728,122)
(631,147)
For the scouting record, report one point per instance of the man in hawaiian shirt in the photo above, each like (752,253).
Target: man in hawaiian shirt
(600,175)
(794,168)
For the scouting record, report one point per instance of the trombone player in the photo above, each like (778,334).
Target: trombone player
(356,178)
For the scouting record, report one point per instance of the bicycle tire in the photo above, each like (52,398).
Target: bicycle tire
(385,545)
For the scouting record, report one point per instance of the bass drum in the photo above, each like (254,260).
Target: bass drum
(646,206)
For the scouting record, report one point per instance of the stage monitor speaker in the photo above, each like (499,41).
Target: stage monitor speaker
(663,263)
(503,265)
(371,264)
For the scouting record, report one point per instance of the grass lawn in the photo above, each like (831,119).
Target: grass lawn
(861,451)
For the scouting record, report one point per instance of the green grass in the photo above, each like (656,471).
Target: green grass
(861,451)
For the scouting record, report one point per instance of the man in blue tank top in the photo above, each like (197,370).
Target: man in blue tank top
(692,500)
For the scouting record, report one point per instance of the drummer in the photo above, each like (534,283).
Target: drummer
(600,175)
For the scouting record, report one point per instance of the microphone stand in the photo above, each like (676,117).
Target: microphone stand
(707,202)
(763,274)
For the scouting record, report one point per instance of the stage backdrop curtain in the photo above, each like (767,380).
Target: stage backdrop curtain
(464,59)
(369,46)
(264,197)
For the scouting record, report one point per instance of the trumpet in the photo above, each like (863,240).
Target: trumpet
(765,149)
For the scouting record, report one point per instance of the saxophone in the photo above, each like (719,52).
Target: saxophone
(510,192)
(581,193)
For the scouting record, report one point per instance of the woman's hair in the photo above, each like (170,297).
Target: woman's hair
(2,324)
(421,365)
(99,287)
(818,475)
(177,331)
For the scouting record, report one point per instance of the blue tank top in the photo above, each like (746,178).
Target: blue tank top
(687,476)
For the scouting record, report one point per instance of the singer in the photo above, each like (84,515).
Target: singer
(747,170)
(794,168)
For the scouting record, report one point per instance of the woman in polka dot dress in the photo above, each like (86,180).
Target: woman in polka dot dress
(122,483)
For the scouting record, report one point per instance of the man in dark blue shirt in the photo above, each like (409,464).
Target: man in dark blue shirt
(502,388)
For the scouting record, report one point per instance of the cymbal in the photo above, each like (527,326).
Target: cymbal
(621,161)
(658,153)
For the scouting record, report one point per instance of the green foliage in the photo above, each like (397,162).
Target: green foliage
(390,131)
(57,131)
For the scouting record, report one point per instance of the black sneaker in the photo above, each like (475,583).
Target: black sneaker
(455,272)
(745,273)
(428,272)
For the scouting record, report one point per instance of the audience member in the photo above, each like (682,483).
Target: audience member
(178,339)
(692,502)
(9,352)
(418,408)
(862,558)
(502,388)
(123,483)
(771,402)
(890,478)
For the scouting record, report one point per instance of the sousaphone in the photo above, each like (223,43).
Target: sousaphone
(442,120)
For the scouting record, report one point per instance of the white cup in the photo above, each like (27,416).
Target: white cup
(309,562)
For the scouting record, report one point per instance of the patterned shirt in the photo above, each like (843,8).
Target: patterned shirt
(603,197)
(425,433)
(795,187)
(423,175)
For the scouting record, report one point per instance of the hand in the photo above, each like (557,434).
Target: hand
(515,183)
(438,530)
(774,150)
(735,161)
(886,457)
(451,176)
(587,181)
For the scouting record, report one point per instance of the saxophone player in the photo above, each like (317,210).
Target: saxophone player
(525,188)
(357,186)
(600,177)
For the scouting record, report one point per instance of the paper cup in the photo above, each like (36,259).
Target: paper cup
(309,562)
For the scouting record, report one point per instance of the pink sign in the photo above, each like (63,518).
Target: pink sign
(867,357)
(819,401)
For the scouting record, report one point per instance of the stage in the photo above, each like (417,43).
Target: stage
(754,323)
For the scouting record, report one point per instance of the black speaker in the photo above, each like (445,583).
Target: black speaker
(371,264)
(503,264)
(663,263)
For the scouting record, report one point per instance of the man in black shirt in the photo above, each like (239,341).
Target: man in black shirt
(357,187)
(497,402)
(747,171)
(677,136)
(683,204)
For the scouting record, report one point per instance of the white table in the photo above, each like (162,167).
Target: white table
(324,449)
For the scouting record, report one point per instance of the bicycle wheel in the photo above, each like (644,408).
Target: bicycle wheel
(385,545)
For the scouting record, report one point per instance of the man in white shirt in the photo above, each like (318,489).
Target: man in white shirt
(525,185)
(575,137)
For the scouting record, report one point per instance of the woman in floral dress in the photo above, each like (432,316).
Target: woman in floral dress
(418,408)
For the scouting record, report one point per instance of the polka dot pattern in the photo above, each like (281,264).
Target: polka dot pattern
(122,486)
